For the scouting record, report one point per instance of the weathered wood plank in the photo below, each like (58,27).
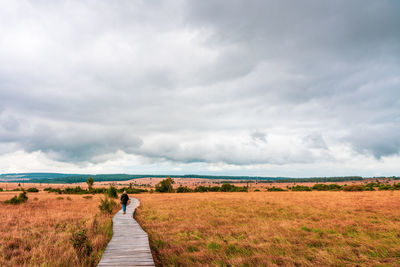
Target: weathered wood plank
(129,245)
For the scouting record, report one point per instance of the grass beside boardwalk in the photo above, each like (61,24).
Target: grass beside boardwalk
(273,228)
(44,230)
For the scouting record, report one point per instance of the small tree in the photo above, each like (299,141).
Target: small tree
(90,182)
(107,205)
(112,192)
(165,186)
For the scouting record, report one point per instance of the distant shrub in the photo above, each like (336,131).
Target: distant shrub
(68,198)
(385,187)
(1,189)
(17,200)
(107,205)
(275,189)
(202,188)
(257,190)
(32,190)
(88,197)
(213,189)
(112,192)
(90,182)
(183,189)
(226,188)
(53,190)
(74,190)
(232,188)
(165,186)
(326,187)
(100,190)
(131,190)
(301,188)
(59,198)
(354,187)
(335,187)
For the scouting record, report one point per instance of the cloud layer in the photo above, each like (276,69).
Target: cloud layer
(200,86)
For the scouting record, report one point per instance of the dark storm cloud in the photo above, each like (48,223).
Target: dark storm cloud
(234,82)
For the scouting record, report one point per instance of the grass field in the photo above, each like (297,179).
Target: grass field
(276,228)
(38,232)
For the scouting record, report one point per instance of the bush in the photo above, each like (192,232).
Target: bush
(165,186)
(32,190)
(90,182)
(81,244)
(107,205)
(354,187)
(325,187)
(1,189)
(201,188)
(334,187)
(101,190)
(213,188)
(226,188)
(275,189)
(301,188)
(183,189)
(385,187)
(17,200)
(112,192)
(75,190)
(131,190)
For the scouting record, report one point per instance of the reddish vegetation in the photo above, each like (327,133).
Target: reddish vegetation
(277,228)
(38,232)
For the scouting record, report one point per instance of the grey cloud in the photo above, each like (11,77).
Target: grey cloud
(188,82)
(259,136)
(378,140)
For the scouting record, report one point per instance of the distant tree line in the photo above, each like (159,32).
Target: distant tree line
(58,178)
(335,187)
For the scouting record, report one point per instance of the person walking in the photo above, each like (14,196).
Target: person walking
(124,201)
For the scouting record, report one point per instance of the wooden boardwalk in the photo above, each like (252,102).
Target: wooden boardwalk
(129,245)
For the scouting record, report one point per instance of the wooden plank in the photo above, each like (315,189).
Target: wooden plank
(129,245)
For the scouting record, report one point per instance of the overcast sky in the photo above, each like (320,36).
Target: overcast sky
(271,88)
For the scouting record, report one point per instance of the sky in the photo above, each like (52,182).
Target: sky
(230,87)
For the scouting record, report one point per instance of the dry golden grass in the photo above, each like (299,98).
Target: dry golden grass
(38,232)
(276,228)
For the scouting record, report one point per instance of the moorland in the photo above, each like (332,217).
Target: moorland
(292,224)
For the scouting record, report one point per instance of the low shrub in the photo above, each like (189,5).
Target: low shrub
(326,187)
(275,189)
(112,192)
(107,205)
(32,190)
(301,188)
(165,186)
(385,187)
(81,244)
(354,187)
(183,189)
(17,200)
(202,188)
(132,190)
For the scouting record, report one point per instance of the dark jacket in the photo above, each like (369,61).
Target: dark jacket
(124,198)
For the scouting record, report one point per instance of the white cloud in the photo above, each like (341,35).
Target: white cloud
(199,87)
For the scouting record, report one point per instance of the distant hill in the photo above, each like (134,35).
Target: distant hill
(79,178)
